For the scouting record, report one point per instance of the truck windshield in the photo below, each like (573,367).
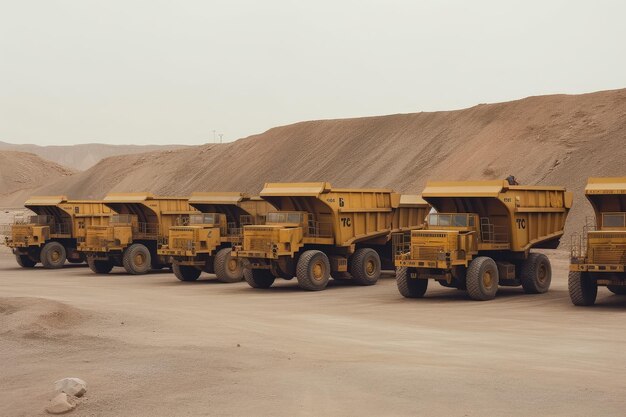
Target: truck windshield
(41,219)
(285,217)
(614,220)
(451,220)
(121,219)
(202,218)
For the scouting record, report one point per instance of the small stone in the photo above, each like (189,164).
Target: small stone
(60,404)
(238,345)
(72,386)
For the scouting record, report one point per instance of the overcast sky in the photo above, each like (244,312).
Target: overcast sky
(144,72)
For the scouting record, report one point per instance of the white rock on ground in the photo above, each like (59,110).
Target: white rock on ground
(60,404)
(71,386)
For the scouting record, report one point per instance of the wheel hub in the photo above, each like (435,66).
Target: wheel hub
(542,274)
(318,271)
(55,255)
(370,267)
(232,265)
(139,259)
(487,279)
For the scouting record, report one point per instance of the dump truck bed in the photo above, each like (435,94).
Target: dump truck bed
(71,217)
(233,204)
(518,216)
(346,215)
(156,214)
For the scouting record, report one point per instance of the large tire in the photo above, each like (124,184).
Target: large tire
(482,279)
(259,278)
(99,266)
(536,274)
(24,261)
(617,289)
(227,268)
(313,270)
(410,287)
(137,259)
(365,266)
(186,272)
(53,255)
(583,290)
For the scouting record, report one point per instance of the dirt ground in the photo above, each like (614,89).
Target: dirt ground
(153,346)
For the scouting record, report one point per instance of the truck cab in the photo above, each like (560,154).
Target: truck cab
(598,254)
(35,231)
(447,239)
(281,235)
(116,235)
(453,239)
(202,232)
(606,245)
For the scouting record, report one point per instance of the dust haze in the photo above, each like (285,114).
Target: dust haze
(160,72)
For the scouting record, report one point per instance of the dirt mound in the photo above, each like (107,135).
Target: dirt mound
(37,318)
(21,172)
(81,157)
(559,139)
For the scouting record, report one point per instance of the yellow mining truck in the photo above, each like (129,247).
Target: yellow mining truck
(206,243)
(599,255)
(319,231)
(52,235)
(134,234)
(481,237)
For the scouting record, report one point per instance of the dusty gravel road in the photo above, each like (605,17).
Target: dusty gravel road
(153,346)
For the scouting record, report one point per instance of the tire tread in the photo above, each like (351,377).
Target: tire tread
(474,279)
(129,254)
(409,287)
(357,266)
(305,280)
(221,267)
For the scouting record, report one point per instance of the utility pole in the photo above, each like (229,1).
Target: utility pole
(220,135)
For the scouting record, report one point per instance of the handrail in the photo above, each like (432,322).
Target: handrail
(401,244)
(319,229)
(491,233)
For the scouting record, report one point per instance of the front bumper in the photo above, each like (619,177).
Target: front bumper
(96,250)
(422,263)
(255,254)
(19,245)
(177,252)
(575,267)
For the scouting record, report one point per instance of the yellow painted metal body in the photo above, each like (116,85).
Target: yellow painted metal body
(57,218)
(222,216)
(139,217)
(319,215)
(602,246)
(485,217)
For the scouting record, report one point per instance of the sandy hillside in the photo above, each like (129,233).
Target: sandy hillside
(21,173)
(84,156)
(559,139)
